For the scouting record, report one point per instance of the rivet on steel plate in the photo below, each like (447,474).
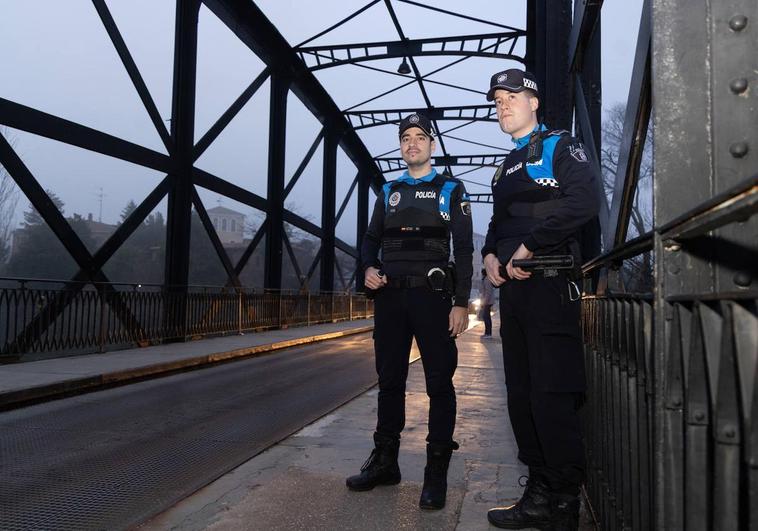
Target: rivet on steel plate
(743,279)
(738,149)
(738,22)
(738,85)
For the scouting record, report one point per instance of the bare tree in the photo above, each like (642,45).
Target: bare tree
(637,273)
(8,201)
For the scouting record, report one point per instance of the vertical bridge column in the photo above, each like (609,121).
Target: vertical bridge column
(328,213)
(179,212)
(277,138)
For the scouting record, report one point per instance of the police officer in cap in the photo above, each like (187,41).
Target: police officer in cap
(418,294)
(545,193)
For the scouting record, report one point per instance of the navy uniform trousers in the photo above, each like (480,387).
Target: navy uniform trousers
(400,314)
(544,373)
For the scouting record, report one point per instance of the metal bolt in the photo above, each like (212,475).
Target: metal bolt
(673,246)
(742,279)
(738,149)
(729,432)
(699,415)
(677,402)
(738,85)
(738,22)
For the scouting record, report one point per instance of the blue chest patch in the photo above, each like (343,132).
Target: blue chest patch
(542,170)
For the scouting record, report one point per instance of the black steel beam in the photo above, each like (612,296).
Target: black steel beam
(736,204)
(124,231)
(373,118)
(584,123)
(328,207)
(480,198)
(277,142)
(225,188)
(304,163)
(179,212)
(390,164)
(220,186)
(233,278)
(361,226)
(548,29)
(485,45)
(44,205)
(25,118)
(259,234)
(133,71)
(346,200)
(229,114)
(636,120)
(252,27)
(586,21)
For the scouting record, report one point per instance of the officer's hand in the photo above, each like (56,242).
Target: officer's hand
(457,321)
(516,272)
(492,265)
(373,280)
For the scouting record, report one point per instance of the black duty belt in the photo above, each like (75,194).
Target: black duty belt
(407,282)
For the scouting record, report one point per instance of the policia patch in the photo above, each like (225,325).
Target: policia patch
(465,205)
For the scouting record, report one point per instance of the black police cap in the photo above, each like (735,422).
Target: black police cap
(512,80)
(416,120)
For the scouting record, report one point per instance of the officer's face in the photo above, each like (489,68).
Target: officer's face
(416,147)
(516,112)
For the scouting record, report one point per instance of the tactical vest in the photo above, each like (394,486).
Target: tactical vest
(416,220)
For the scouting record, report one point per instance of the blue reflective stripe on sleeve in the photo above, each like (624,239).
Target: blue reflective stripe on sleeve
(386,189)
(445,193)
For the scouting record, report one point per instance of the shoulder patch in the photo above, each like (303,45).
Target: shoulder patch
(576,150)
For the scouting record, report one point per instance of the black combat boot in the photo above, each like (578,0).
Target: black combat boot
(565,513)
(434,492)
(381,466)
(532,510)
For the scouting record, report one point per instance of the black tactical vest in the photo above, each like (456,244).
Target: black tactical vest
(416,220)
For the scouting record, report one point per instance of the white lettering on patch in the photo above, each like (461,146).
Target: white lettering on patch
(514,168)
(429,194)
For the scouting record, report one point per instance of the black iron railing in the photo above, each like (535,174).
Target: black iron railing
(671,421)
(40,316)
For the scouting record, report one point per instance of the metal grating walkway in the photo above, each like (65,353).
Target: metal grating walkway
(113,459)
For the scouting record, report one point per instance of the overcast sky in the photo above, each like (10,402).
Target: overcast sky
(57,57)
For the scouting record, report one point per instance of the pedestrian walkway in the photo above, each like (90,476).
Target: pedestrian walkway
(23,383)
(300,482)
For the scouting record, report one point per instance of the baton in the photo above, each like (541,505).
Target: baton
(562,261)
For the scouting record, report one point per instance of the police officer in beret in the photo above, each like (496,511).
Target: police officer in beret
(418,294)
(545,193)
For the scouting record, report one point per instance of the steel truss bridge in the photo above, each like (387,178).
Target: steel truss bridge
(672,416)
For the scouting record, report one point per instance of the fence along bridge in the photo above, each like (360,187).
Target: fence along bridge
(672,416)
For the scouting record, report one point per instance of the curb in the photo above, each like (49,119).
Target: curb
(21,397)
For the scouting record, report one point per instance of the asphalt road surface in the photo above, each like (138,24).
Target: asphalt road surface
(112,459)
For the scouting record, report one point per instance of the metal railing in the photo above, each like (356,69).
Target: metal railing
(44,316)
(671,421)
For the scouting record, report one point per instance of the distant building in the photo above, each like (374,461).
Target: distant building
(229,224)
(99,231)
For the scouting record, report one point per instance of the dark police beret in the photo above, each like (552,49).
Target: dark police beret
(512,80)
(416,120)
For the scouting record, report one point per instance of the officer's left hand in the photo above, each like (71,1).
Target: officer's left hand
(457,321)
(516,272)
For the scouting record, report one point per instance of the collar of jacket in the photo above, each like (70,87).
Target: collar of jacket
(407,179)
(524,140)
